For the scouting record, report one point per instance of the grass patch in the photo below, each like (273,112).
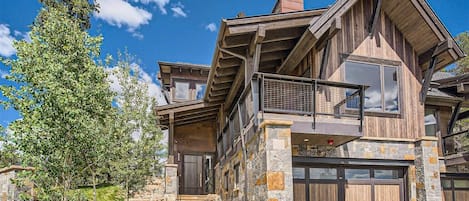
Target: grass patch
(103,193)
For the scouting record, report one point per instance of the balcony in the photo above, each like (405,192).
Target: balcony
(456,148)
(323,112)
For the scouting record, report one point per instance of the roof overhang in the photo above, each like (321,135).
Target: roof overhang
(281,33)
(187,112)
(165,69)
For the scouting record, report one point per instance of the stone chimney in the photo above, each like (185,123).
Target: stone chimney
(285,6)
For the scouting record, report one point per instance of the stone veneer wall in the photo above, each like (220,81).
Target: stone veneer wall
(266,162)
(427,171)
(269,166)
(7,189)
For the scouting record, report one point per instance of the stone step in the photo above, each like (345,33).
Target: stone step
(193,198)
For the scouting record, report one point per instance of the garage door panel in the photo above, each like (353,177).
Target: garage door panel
(321,192)
(387,193)
(461,195)
(357,192)
(299,192)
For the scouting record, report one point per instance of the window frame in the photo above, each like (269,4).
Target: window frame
(381,63)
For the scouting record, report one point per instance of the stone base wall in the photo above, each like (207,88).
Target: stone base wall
(268,167)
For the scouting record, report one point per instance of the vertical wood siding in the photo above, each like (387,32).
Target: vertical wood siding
(387,43)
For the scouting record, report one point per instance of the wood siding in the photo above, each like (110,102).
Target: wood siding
(195,138)
(387,43)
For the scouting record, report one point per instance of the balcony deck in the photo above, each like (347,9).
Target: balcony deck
(456,148)
(321,111)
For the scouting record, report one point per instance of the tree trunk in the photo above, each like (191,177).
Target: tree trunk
(94,186)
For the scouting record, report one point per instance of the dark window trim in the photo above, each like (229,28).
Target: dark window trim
(381,63)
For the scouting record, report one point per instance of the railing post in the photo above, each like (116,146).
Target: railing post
(362,106)
(262,95)
(255,98)
(313,106)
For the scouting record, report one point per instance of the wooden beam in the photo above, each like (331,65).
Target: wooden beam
(194,121)
(436,51)
(325,59)
(454,118)
(274,56)
(181,109)
(226,63)
(375,18)
(257,39)
(217,87)
(463,115)
(171,135)
(224,79)
(317,29)
(283,34)
(238,81)
(428,78)
(278,46)
(242,29)
(219,92)
(196,112)
(226,71)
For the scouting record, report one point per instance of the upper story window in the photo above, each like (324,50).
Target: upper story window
(200,91)
(383,92)
(181,91)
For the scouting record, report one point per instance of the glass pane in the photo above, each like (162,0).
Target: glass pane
(357,174)
(323,173)
(386,174)
(391,89)
(461,183)
(182,90)
(430,122)
(446,184)
(298,173)
(200,91)
(366,74)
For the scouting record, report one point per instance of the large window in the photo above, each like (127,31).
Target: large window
(383,92)
(182,91)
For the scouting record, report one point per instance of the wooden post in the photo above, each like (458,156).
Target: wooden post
(171,138)
(375,18)
(454,118)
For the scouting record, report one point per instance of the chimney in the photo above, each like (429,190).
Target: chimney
(285,6)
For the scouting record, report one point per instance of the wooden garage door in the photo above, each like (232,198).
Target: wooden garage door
(387,192)
(358,192)
(320,192)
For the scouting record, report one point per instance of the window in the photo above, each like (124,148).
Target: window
(236,169)
(383,92)
(182,91)
(322,173)
(200,91)
(430,122)
(298,173)
(357,174)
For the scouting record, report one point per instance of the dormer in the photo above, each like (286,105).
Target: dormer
(182,82)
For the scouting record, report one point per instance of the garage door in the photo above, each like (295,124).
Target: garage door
(455,187)
(348,184)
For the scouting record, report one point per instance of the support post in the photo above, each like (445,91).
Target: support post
(428,78)
(171,138)
(454,118)
(325,58)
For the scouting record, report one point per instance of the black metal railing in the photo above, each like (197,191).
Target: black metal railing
(455,143)
(273,93)
(312,97)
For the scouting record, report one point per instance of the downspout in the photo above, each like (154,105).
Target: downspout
(243,141)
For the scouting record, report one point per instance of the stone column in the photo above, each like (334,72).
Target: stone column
(275,140)
(427,170)
(171,182)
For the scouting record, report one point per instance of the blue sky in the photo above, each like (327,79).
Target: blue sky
(170,30)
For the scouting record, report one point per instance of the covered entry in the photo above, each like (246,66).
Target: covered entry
(348,183)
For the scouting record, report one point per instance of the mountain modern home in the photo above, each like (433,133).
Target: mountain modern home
(333,104)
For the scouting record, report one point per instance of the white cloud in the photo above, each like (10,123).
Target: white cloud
(161,4)
(211,27)
(25,36)
(6,41)
(178,10)
(4,74)
(120,13)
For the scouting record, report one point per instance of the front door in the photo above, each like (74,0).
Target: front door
(193,184)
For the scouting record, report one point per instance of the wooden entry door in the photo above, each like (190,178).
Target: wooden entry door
(193,175)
